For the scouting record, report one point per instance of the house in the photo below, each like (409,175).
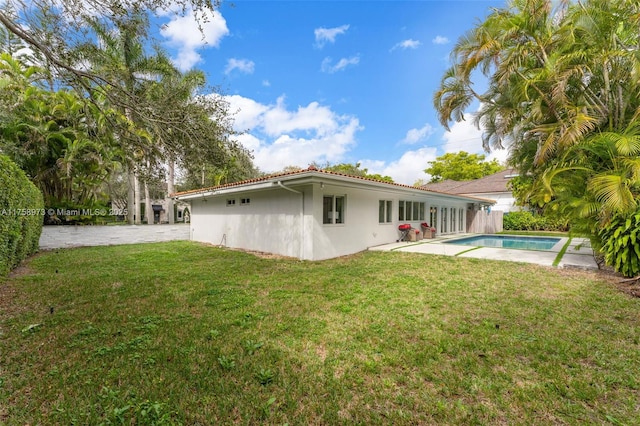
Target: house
(493,187)
(314,214)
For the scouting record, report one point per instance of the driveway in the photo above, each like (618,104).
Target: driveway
(577,255)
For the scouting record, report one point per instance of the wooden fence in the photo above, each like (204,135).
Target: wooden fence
(484,222)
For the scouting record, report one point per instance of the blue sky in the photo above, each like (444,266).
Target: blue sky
(336,81)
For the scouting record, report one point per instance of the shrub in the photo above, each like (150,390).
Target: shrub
(621,244)
(527,221)
(21,213)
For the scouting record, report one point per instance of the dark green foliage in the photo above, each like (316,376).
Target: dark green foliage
(21,212)
(355,170)
(527,221)
(621,244)
(461,166)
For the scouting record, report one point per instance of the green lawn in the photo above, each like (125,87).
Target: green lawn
(191,334)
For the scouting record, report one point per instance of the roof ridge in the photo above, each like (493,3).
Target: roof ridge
(310,169)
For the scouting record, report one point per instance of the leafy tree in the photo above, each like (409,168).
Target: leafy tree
(194,131)
(563,95)
(56,29)
(356,170)
(239,168)
(59,140)
(167,119)
(461,166)
(9,42)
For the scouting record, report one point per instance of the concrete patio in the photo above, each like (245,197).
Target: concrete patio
(578,254)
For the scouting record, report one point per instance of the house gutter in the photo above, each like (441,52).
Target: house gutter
(302,233)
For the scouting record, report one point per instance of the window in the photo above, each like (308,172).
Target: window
(444,220)
(453,219)
(433,217)
(332,210)
(384,211)
(461,224)
(231,202)
(245,201)
(410,210)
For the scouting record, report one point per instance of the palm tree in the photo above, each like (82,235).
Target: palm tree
(555,76)
(121,58)
(56,137)
(564,95)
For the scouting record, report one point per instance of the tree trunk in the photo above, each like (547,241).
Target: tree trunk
(131,194)
(148,208)
(138,219)
(170,190)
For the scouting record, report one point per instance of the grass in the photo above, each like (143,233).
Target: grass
(181,333)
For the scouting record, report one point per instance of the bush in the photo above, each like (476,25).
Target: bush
(21,213)
(621,244)
(527,221)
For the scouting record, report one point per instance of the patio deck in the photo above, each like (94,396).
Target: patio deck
(578,254)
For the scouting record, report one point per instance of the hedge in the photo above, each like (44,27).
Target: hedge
(21,216)
(527,221)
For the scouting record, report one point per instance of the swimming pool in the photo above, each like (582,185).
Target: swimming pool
(508,241)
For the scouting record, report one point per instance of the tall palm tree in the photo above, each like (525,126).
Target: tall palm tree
(564,95)
(555,76)
(120,56)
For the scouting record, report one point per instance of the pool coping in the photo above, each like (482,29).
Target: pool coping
(557,247)
(578,253)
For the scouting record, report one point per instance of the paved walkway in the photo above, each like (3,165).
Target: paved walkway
(77,236)
(577,255)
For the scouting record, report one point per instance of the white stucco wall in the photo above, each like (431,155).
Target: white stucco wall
(504,201)
(287,223)
(361,229)
(271,222)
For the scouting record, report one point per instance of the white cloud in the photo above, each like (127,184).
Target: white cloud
(405,170)
(328,67)
(328,35)
(440,40)
(266,83)
(414,136)
(280,137)
(406,44)
(464,136)
(183,33)
(245,66)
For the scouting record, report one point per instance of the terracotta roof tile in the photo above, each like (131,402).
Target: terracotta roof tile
(496,182)
(311,169)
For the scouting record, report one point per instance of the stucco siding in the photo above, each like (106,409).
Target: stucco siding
(270,222)
(360,230)
(315,215)
(504,201)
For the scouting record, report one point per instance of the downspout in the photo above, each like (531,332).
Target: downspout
(302,234)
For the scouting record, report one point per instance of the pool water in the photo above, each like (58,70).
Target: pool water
(508,241)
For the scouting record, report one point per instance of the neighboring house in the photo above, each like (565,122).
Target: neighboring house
(493,187)
(160,211)
(315,214)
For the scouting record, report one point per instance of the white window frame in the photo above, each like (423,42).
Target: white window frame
(386,208)
(411,209)
(336,214)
